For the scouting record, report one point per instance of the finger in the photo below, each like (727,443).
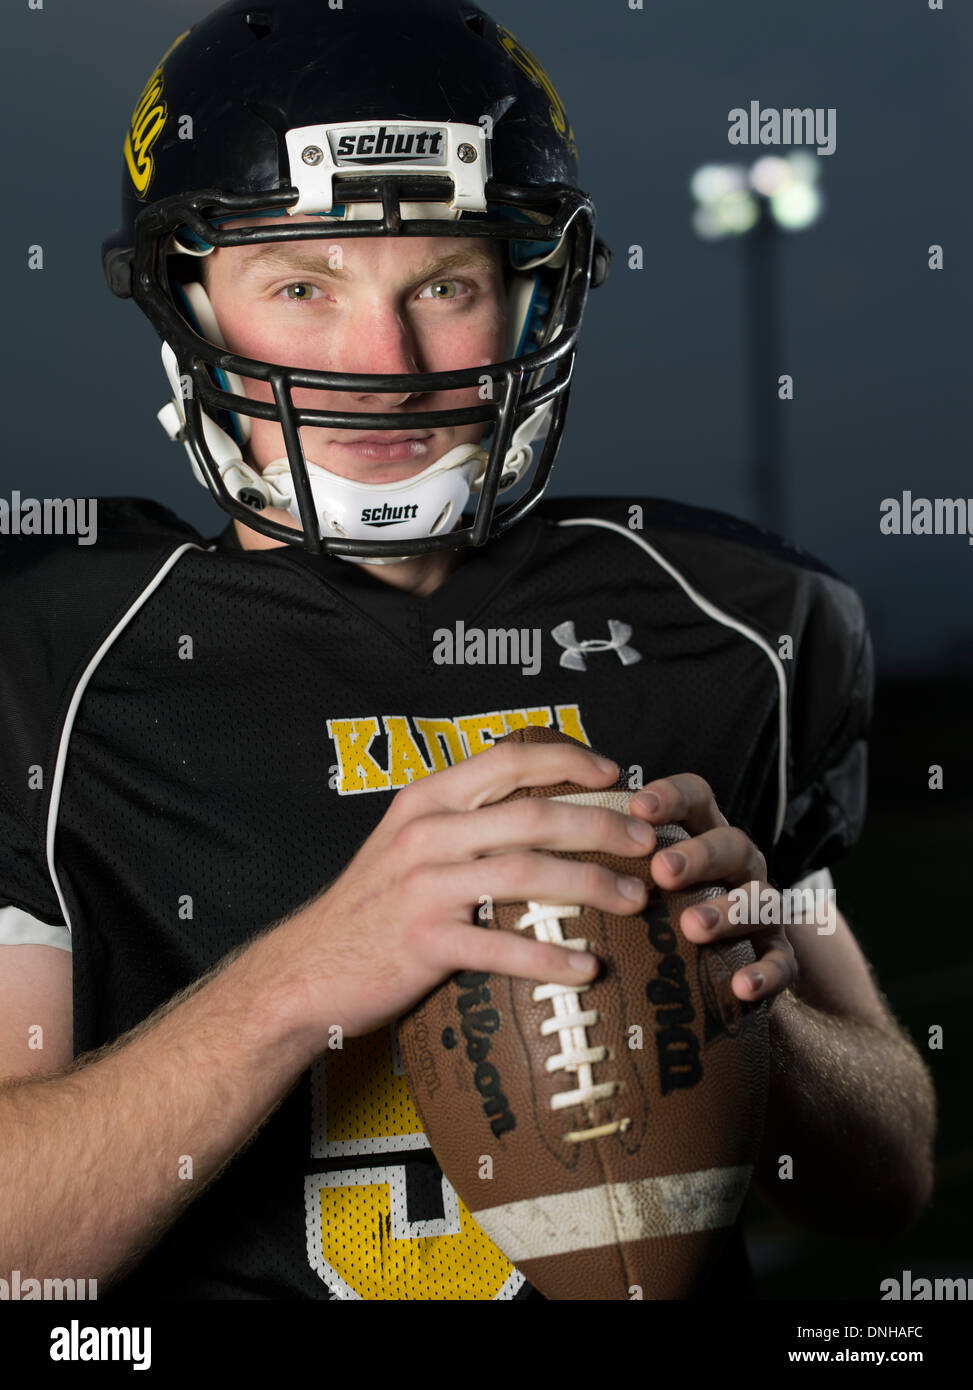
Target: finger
(525,876)
(774,972)
(725,855)
(729,915)
(504,953)
(494,774)
(532,822)
(685,799)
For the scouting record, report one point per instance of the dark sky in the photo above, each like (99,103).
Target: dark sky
(878,344)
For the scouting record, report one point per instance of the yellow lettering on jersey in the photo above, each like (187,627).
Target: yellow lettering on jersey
(569,722)
(405,760)
(520,718)
(447,742)
(359,772)
(360,1229)
(476,728)
(431,731)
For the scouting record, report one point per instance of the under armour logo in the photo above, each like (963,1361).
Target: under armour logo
(573,655)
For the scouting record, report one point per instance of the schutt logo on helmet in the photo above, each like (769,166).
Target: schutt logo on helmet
(388,144)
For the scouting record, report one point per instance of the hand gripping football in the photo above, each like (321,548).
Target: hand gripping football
(622,1118)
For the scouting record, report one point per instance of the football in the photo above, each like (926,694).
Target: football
(602,1136)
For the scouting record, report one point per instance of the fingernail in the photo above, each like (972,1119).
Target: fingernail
(583,962)
(630,887)
(606,765)
(756,980)
(708,917)
(640,832)
(674,861)
(649,801)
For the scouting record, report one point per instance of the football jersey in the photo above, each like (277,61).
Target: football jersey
(198,738)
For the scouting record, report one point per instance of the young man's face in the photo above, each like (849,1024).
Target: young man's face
(390,305)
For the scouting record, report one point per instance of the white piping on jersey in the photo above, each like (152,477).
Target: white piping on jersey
(707,607)
(76,698)
(711,610)
(19,928)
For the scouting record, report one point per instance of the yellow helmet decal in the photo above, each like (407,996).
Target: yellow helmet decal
(148,120)
(527,63)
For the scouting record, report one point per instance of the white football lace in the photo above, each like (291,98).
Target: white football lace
(570,1022)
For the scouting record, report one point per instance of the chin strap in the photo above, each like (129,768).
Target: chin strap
(429,503)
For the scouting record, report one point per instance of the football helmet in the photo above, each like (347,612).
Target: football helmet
(382,119)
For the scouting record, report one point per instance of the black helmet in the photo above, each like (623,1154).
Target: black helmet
(420,119)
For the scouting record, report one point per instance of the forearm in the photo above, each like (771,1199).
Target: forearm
(93,1160)
(853,1106)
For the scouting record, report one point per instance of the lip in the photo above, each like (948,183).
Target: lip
(385,437)
(391,447)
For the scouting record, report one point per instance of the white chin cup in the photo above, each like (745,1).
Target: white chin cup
(429,503)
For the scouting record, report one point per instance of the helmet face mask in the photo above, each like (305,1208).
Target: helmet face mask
(400,175)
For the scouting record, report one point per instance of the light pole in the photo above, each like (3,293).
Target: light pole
(731,200)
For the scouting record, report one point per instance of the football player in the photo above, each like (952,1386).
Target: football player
(251,800)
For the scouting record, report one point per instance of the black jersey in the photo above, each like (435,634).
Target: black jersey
(198,738)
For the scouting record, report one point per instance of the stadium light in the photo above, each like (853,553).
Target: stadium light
(776,193)
(730,198)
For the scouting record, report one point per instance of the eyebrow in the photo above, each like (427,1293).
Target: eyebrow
(277,257)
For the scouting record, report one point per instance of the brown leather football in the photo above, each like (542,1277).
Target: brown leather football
(621,1119)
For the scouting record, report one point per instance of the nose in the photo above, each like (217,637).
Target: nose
(381,344)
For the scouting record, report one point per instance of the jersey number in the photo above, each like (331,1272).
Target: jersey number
(386,1224)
